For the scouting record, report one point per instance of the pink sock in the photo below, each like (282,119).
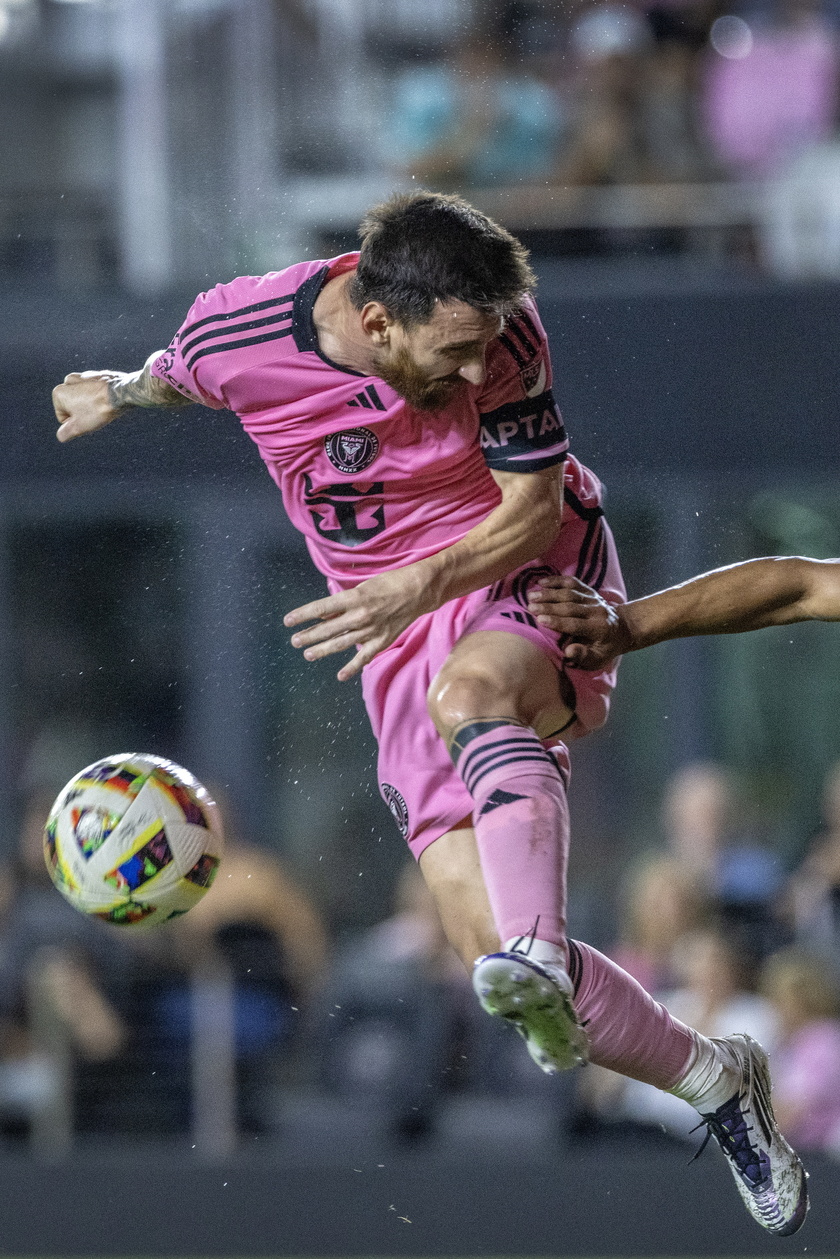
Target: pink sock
(628,1031)
(521,824)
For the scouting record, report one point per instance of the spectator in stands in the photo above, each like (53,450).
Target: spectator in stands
(770,87)
(394,1013)
(803,991)
(58,967)
(262,931)
(475,120)
(713,829)
(699,813)
(633,109)
(814,889)
(662,904)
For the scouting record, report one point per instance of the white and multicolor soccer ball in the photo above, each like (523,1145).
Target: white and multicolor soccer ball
(133,839)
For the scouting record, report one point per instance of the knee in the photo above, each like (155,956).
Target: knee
(456,696)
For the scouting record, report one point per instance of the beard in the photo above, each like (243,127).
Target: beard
(418,390)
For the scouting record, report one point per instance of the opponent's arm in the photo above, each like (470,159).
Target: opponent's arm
(374,613)
(746,596)
(86,401)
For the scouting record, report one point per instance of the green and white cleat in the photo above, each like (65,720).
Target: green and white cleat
(536,997)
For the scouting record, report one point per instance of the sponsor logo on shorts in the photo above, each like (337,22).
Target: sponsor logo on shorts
(353,450)
(398,807)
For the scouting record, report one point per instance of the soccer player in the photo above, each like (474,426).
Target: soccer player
(401,399)
(778,590)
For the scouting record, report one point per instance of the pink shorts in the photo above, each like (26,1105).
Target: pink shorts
(417,779)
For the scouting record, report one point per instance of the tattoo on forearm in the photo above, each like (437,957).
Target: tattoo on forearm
(142,389)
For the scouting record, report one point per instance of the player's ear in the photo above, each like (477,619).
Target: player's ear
(377,322)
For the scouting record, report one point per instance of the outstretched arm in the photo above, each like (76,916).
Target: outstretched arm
(747,596)
(86,401)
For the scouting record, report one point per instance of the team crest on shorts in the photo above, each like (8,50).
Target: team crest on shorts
(398,807)
(353,450)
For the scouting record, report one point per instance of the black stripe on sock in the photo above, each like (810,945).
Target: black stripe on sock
(471,731)
(500,763)
(475,781)
(526,739)
(575,965)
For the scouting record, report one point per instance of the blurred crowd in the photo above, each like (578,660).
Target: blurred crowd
(602,92)
(107,1034)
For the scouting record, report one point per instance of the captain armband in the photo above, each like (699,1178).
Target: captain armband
(524,436)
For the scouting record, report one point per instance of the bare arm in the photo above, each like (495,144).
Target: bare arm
(375,612)
(747,596)
(86,401)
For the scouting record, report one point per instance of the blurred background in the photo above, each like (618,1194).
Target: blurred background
(675,169)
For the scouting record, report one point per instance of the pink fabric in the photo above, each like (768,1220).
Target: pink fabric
(347,453)
(417,778)
(628,1031)
(523,844)
(806,1079)
(638,963)
(763,108)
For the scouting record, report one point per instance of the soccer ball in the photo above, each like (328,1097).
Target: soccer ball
(133,839)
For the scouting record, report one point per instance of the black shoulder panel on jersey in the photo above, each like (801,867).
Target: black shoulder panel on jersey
(524,436)
(303,327)
(303,324)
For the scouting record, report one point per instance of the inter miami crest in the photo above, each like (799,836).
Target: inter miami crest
(398,807)
(353,450)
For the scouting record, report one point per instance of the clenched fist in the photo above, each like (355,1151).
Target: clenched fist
(85,401)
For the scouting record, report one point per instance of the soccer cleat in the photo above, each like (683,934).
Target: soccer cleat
(536,997)
(769,1175)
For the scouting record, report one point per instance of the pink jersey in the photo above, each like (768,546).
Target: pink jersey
(371,483)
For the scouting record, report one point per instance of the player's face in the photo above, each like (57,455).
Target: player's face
(429,364)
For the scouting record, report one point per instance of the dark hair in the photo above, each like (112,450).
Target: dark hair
(423,247)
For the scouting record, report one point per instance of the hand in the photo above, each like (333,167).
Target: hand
(594,627)
(84,402)
(369,617)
